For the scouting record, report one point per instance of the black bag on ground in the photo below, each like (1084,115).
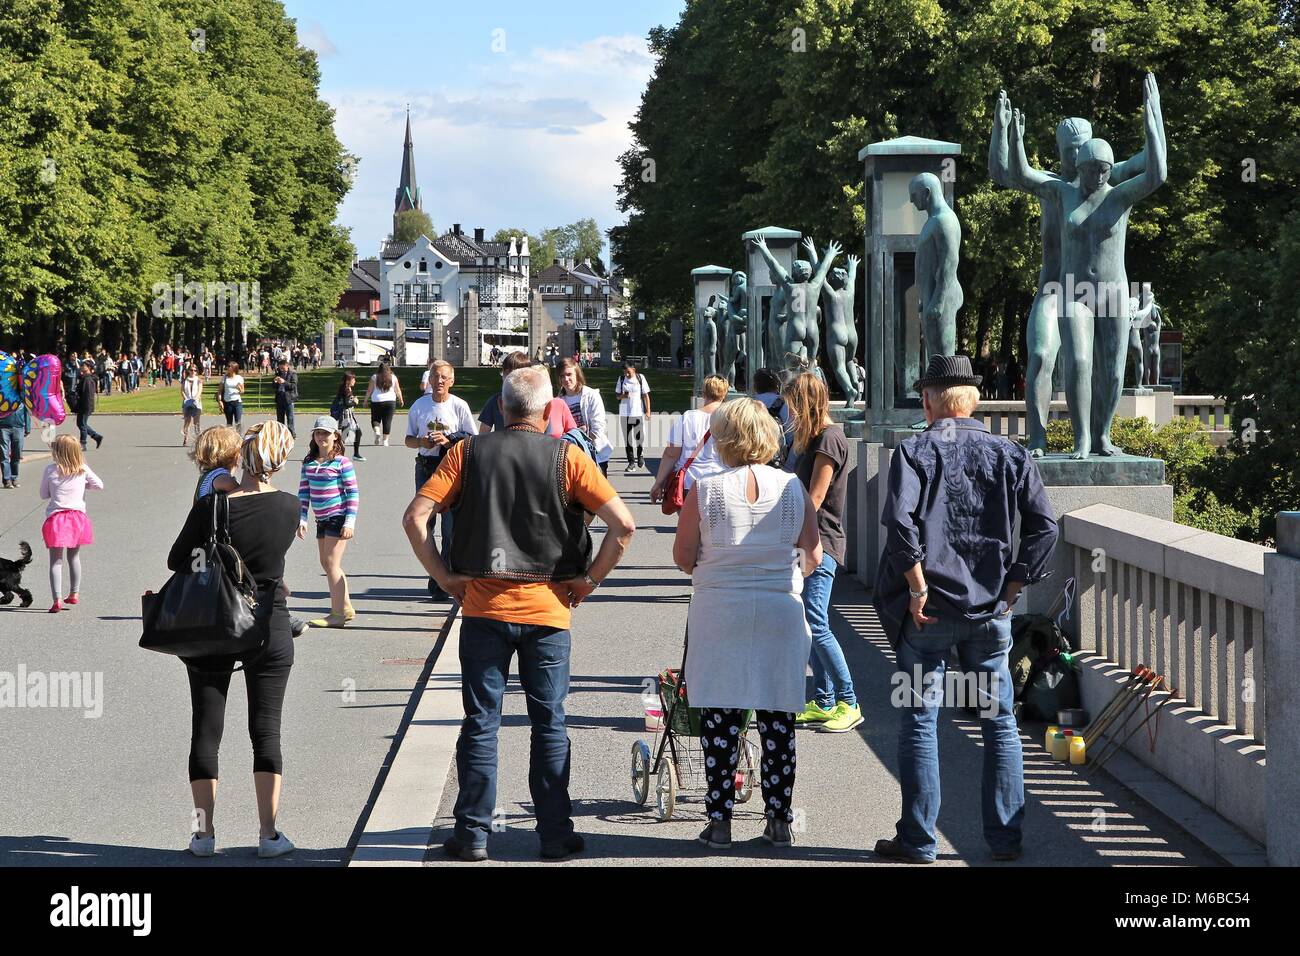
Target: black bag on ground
(1042,671)
(210,609)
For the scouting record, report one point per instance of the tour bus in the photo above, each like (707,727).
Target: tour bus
(368,346)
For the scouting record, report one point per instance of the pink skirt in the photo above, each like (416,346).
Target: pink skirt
(67,529)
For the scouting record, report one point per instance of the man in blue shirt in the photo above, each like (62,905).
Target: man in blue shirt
(948,577)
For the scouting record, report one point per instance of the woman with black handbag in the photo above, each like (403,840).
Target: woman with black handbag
(262,523)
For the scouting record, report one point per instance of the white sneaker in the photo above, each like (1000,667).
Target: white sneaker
(378,438)
(203,846)
(266,849)
(385,442)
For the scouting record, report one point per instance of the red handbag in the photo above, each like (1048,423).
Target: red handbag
(675,493)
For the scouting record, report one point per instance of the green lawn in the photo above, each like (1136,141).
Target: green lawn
(670,391)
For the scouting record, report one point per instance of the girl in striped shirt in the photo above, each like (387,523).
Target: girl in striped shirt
(328,487)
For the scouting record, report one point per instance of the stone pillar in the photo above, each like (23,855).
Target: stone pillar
(327,345)
(469,337)
(676,336)
(539,325)
(437,340)
(606,343)
(1281,692)
(568,340)
(711,283)
(399,343)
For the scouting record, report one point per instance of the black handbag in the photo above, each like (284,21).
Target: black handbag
(210,609)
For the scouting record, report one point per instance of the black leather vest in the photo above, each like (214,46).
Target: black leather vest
(514,519)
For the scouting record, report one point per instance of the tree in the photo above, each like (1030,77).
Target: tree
(412,224)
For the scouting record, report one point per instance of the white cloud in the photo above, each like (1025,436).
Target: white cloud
(312,36)
(625,55)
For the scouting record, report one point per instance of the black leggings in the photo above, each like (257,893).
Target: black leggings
(720,732)
(382,412)
(266,679)
(632,433)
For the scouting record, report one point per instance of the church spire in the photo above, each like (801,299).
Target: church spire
(408,193)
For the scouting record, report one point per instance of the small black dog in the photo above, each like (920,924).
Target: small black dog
(11,576)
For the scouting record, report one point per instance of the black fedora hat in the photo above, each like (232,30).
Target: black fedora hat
(946,370)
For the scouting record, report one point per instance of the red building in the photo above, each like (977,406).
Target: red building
(361,297)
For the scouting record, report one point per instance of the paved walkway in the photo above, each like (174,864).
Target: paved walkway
(113,790)
(847,792)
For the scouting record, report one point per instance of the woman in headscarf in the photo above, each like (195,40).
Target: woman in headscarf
(263,522)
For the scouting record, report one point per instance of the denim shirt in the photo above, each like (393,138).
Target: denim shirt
(954,494)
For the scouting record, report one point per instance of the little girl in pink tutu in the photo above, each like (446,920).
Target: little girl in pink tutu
(67,526)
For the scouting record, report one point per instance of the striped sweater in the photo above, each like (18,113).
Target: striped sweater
(329,488)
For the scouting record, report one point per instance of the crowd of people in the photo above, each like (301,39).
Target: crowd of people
(512,491)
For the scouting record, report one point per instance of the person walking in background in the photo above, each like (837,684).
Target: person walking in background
(947,576)
(587,409)
(822,469)
(262,523)
(286,394)
(191,403)
(383,395)
(634,409)
(151,369)
(230,394)
(748,644)
(343,410)
(67,527)
(558,417)
(520,560)
(437,421)
(328,487)
(86,391)
(691,431)
(14,428)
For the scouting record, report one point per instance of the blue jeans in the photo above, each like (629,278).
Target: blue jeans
(831,678)
(425,466)
(284,415)
(982,648)
(486,647)
(85,430)
(11,450)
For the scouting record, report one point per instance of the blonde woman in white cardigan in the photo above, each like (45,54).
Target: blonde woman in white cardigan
(588,410)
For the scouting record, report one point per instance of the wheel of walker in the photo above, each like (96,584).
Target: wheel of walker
(640,772)
(666,791)
(747,770)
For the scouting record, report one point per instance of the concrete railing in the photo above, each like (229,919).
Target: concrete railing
(1187,603)
(1210,411)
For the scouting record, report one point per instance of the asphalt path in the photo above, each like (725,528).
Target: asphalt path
(113,789)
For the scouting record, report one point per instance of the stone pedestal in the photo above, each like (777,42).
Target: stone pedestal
(852,419)
(399,343)
(607,344)
(676,337)
(568,340)
(1137,403)
(1282,693)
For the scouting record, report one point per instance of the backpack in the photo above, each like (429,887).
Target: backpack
(1043,674)
(576,436)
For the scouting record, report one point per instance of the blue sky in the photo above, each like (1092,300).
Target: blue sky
(518,109)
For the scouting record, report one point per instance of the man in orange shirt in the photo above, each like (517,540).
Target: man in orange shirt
(520,559)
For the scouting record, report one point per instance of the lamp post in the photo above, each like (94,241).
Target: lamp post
(893,326)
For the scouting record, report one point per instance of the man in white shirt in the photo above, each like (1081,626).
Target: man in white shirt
(633,408)
(437,420)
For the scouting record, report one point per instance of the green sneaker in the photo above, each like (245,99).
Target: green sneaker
(813,714)
(842,718)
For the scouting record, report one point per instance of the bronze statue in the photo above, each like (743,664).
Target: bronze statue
(802,286)
(735,319)
(839,294)
(1041,332)
(1094,323)
(708,336)
(937,251)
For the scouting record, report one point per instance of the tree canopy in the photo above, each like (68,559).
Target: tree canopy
(149,139)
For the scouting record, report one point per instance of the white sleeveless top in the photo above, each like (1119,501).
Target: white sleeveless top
(749,640)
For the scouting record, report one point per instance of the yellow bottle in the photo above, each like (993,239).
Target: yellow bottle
(1078,750)
(1052,731)
(1060,747)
